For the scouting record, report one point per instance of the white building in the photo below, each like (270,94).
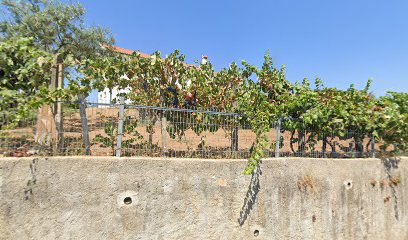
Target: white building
(108,97)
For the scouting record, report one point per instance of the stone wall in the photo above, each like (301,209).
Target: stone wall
(150,198)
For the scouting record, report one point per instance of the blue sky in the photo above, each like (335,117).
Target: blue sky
(342,42)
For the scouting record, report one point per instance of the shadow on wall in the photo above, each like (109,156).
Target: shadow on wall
(389,165)
(250,197)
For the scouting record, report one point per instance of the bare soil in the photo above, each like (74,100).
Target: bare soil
(188,144)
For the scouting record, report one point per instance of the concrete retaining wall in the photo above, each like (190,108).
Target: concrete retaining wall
(142,198)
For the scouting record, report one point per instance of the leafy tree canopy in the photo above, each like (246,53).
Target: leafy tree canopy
(57,27)
(23,76)
(33,34)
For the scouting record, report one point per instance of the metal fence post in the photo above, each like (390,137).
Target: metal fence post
(278,136)
(234,135)
(59,117)
(164,133)
(372,146)
(84,122)
(120,126)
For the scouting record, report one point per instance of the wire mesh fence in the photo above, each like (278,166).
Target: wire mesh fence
(132,130)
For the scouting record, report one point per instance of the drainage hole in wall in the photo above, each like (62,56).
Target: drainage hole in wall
(348,184)
(127,200)
(256,233)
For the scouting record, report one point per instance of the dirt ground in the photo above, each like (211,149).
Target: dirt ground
(186,144)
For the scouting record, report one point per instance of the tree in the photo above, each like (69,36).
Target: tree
(392,125)
(23,77)
(56,27)
(59,30)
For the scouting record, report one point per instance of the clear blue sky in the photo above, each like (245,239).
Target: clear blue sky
(342,42)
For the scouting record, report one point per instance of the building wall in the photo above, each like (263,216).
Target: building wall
(104,96)
(150,198)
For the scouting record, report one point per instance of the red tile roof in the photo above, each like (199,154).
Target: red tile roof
(125,51)
(129,52)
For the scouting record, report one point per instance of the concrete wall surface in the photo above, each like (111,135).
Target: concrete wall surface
(151,198)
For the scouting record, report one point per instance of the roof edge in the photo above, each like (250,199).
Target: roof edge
(130,52)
